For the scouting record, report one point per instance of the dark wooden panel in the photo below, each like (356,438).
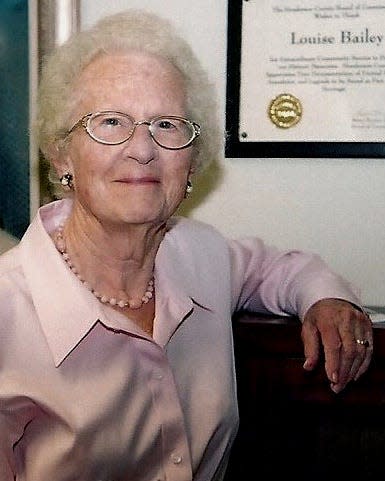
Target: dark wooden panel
(292,424)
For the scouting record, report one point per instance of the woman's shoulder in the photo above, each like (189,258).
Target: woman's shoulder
(198,255)
(12,284)
(9,260)
(196,237)
(179,225)
(11,274)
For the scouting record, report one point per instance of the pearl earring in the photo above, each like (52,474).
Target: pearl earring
(189,188)
(66,180)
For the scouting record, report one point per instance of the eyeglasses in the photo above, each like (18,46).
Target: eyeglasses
(113,128)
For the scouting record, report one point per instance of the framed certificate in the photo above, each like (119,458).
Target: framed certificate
(306,79)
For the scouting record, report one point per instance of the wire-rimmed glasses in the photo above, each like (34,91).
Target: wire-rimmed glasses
(113,128)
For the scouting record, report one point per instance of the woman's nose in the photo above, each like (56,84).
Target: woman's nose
(140,145)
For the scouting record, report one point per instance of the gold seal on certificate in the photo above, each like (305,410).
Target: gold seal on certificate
(285,110)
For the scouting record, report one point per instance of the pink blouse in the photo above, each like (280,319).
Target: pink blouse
(85,395)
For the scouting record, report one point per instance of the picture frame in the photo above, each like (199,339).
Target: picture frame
(297,141)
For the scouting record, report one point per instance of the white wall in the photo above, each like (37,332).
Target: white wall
(333,207)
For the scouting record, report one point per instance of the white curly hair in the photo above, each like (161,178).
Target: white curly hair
(123,32)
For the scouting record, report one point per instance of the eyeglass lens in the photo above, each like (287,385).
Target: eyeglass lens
(114,127)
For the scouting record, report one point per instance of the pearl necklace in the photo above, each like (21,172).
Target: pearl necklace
(113,301)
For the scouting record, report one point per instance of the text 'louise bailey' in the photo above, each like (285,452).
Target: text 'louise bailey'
(346,37)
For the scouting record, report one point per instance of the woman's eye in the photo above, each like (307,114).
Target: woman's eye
(111,121)
(165,124)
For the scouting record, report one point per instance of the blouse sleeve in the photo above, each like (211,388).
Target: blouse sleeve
(265,279)
(15,414)
(7,472)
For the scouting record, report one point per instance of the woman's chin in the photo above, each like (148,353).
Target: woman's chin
(143,217)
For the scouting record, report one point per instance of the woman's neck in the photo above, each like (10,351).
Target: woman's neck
(116,260)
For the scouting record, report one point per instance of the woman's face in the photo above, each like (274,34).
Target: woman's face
(137,181)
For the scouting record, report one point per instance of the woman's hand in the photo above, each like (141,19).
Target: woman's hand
(338,326)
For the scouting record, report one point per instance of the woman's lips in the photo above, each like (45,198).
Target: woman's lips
(138,180)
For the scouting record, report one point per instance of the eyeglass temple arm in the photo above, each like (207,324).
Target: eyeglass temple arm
(82,122)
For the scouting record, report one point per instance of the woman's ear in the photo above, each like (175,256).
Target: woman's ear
(192,169)
(58,156)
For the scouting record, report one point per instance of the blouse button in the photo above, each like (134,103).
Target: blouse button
(176,459)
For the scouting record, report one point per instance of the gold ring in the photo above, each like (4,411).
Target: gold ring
(363,342)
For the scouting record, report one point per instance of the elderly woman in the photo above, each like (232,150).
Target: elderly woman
(116,358)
